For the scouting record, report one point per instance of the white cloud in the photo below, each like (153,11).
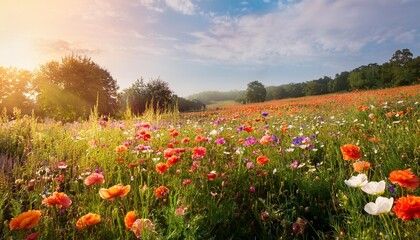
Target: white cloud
(153,5)
(304,30)
(183,6)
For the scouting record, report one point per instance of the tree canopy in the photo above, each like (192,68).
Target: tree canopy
(255,92)
(69,89)
(154,94)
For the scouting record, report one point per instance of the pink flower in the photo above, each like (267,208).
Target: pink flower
(141,225)
(94,178)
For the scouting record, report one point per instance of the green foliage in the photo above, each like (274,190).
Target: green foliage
(155,95)
(68,90)
(255,92)
(16,88)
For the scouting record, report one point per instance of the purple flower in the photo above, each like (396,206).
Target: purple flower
(297,141)
(240,128)
(391,189)
(264,114)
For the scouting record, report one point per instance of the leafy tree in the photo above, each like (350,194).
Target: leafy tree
(69,89)
(185,105)
(16,90)
(155,94)
(317,87)
(256,92)
(159,94)
(339,83)
(401,57)
(135,96)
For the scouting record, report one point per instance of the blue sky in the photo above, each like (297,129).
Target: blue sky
(200,45)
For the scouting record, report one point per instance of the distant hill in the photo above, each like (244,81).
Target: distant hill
(209,97)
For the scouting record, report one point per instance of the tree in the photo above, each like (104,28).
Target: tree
(16,90)
(317,87)
(155,94)
(256,92)
(69,89)
(159,94)
(401,57)
(340,83)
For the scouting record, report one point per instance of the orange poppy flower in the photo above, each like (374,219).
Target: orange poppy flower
(88,220)
(262,160)
(361,166)
(114,191)
(161,168)
(404,178)
(185,140)
(94,178)
(199,138)
(121,149)
(162,192)
(129,219)
(350,152)
(59,199)
(25,220)
(407,208)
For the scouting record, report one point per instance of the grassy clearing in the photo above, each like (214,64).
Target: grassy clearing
(262,171)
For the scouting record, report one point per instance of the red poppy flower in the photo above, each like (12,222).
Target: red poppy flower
(161,168)
(262,160)
(198,152)
(350,152)
(407,208)
(404,178)
(162,192)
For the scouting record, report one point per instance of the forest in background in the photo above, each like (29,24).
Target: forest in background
(402,69)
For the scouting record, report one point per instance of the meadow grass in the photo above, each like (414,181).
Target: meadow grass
(226,192)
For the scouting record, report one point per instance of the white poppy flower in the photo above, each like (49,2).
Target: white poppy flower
(357,181)
(374,188)
(381,205)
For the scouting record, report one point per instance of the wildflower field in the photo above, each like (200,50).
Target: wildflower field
(342,166)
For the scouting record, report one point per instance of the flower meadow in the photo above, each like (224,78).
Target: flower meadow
(341,166)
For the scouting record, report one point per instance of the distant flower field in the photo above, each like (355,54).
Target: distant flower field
(342,166)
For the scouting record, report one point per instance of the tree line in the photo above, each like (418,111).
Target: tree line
(401,69)
(68,89)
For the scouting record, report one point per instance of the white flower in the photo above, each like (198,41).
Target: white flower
(213,132)
(374,188)
(357,181)
(381,205)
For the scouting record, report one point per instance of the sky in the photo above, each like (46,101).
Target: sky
(209,45)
